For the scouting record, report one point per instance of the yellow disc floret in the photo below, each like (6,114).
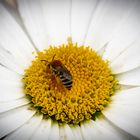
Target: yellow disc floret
(93,84)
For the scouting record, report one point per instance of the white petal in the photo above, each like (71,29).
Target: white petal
(128,60)
(101,51)
(43,131)
(11,6)
(109,131)
(66,133)
(106,18)
(7,60)
(54,133)
(57,20)
(12,120)
(10,85)
(46,21)
(26,131)
(12,89)
(5,106)
(8,75)
(128,97)
(88,131)
(11,3)
(32,16)
(14,40)
(76,132)
(130,78)
(124,111)
(126,33)
(10,92)
(81,15)
(101,129)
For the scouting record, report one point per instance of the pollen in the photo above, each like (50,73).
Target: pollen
(92,86)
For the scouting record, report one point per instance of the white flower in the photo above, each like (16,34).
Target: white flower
(112,27)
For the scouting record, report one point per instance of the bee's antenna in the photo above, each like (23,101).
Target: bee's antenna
(45,60)
(53,57)
(48,61)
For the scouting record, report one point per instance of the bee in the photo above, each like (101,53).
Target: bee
(59,70)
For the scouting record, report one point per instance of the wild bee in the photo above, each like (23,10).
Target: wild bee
(59,70)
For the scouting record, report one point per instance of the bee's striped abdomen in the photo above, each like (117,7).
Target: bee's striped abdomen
(66,82)
(59,70)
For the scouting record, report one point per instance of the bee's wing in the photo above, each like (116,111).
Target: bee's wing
(66,73)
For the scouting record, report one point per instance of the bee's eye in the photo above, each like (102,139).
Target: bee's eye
(49,65)
(53,66)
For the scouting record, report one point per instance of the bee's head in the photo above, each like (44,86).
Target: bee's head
(53,68)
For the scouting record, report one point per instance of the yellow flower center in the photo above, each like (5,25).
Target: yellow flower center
(92,84)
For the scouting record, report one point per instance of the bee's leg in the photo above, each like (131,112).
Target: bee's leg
(53,79)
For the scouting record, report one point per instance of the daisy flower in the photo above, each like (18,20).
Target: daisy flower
(70,69)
